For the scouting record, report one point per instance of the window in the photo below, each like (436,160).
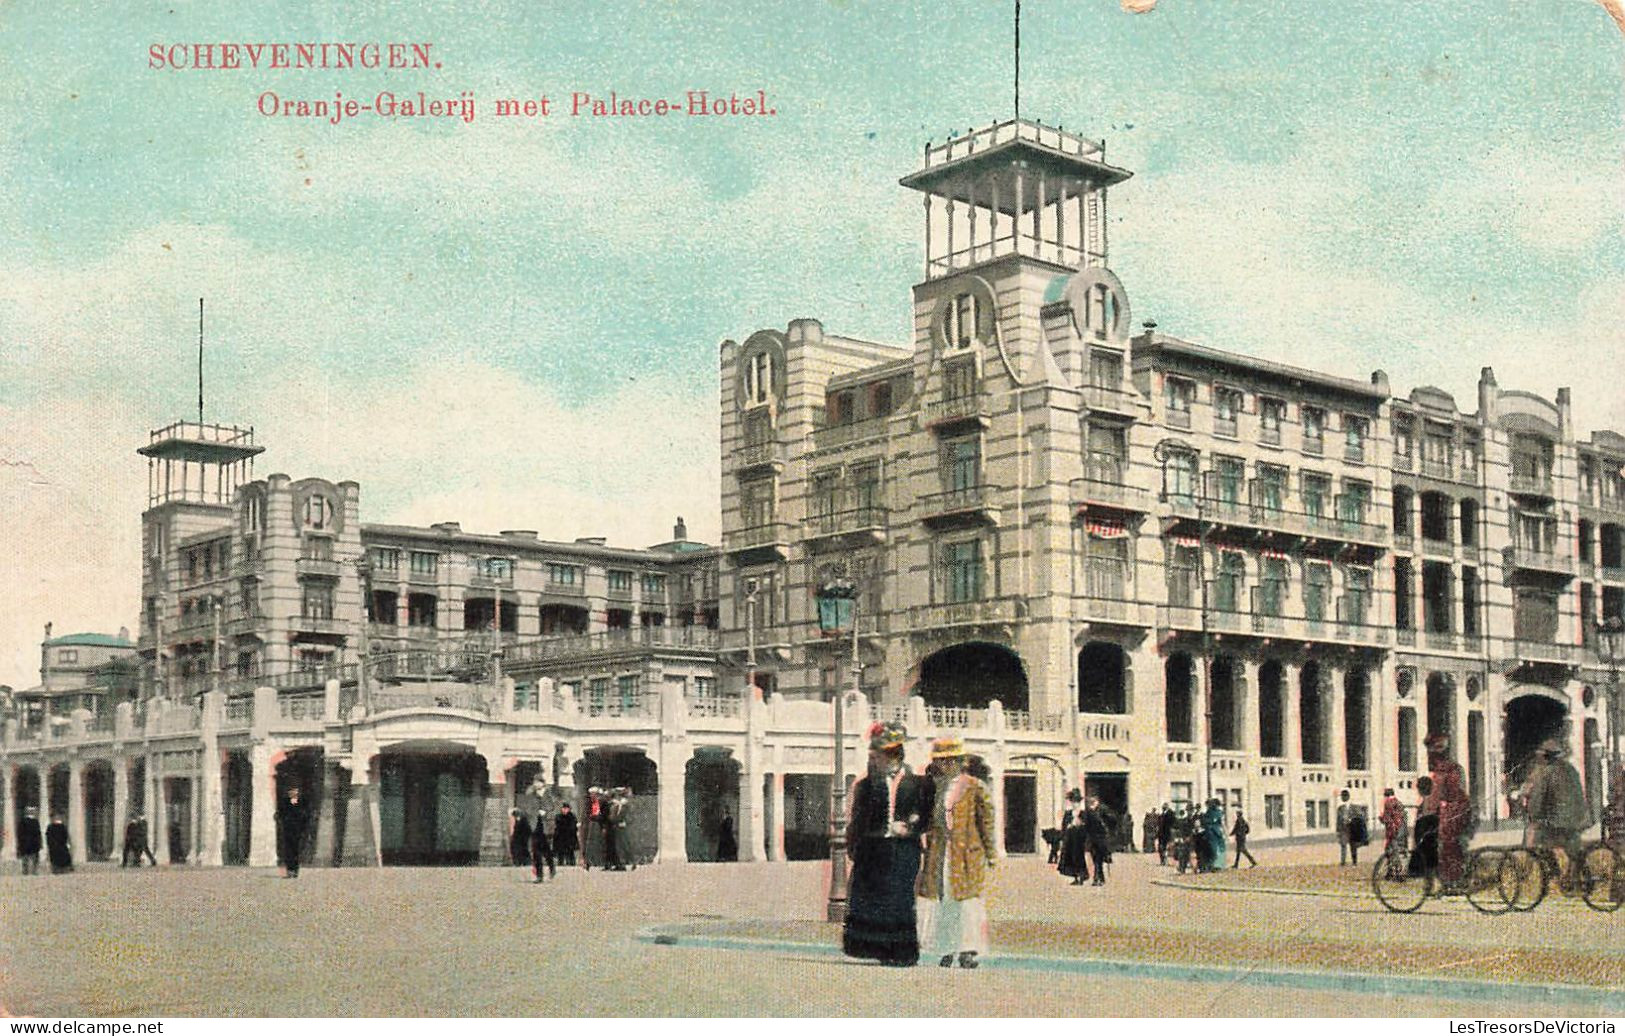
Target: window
(1181,475)
(1228,475)
(318,511)
(959,379)
(1108,454)
(626,689)
(756,503)
(1404,501)
(1182,571)
(1105,368)
(385,559)
(1404,443)
(1317,590)
(496,569)
(1106,566)
(1309,814)
(758,378)
(838,408)
(1355,432)
(1227,404)
(620,582)
(1269,492)
(866,486)
(1355,502)
(1407,739)
(1437,450)
(1272,586)
(963,321)
(1469,456)
(1317,491)
(1178,395)
(654,585)
(1469,601)
(880,399)
(597,695)
(1274,812)
(758,428)
(962,563)
(826,489)
(1227,587)
(1534,616)
(1356,595)
(424,563)
(562,575)
(1403,619)
(963,461)
(1531,457)
(317,603)
(1271,415)
(1314,429)
(67,655)
(1588,480)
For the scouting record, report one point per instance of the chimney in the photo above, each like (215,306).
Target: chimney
(519,534)
(124,633)
(447,527)
(1379,381)
(592,541)
(679,532)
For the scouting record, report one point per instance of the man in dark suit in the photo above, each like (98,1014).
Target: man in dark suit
(564,836)
(29,840)
(891,809)
(58,847)
(1165,833)
(291,821)
(135,842)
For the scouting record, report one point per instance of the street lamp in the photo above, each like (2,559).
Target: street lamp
(838,613)
(1611,646)
(1164,453)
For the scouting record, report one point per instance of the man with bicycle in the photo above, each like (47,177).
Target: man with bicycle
(1556,811)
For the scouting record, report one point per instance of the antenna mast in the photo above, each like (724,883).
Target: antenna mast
(1018,59)
(200,361)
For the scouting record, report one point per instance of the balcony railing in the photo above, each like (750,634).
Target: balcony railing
(757,537)
(1541,651)
(1109,399)
(1403,461)
(1091,492)
(997,610)
(953,716)
(1524,559)
(1437,548)
(1612,573)
(617,706)
(558,589)
(716,706)
(1270,435)
(1178,418)
(987,137)
(1225,426)
(695,638)
(968,500)
(429,698)
(319,624)
(1441,640)
(1531,484)
(843,523)
(1438,469)
(1314,444)
(973,406)
(760,454)
(324,568)
(239,712)
(853,431)
(302,708)
(1015,719)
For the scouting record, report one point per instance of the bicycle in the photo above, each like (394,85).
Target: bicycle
(1599,879)
(1602,878)
(1402,883)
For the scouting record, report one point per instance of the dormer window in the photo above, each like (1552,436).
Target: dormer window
(964,321)
(318,511)
(758,379)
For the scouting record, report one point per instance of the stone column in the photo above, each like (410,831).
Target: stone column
(1292,736)
(752,843)
(360,848)
(494,819)
(327,816)
(121,803)
(76,807)
(8,813)
(211,825)
(775,833)
(1336,725)
(160,808)
(261,806)
(674,753)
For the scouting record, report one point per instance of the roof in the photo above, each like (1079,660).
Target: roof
(89,640)
(1253,365)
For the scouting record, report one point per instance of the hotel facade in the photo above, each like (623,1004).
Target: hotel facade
(1105,556)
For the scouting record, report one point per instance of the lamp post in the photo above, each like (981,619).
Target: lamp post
(838,613)
(1611,646)
(1197,496)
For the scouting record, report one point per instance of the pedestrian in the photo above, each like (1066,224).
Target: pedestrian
(1425,853)
(1212,832)
(540,848)
(291,821)
(1239,832)
(518,838)
(564,837)
(57,846)
(1125,833)
(1074,805)
(1359,833)
(1184,841)
(890,810)
(29,840)
(592,835)
(135,842)
(1165,833)
(620,835)
(1075,851)
(1344,812)
(959,851)
(1148,831)
(1557,811)
(1098,825)
(1392,819)
(1449,802)
(1201,854)
(177,833)
(727,841)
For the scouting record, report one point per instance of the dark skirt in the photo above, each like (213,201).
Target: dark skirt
(1074,862)
(880,922)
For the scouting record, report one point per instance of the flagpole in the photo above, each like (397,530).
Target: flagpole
(1018,59)
(199,361)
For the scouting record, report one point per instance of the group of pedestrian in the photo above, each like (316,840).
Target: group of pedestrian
(1197,838)
(54,840)
(921,847)
(552,836)
(1086,834)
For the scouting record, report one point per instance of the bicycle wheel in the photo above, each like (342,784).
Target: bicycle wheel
(1523,879)
(1395,886)
(1483,881)
(1602,880)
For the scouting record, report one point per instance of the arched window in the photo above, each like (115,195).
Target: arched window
(1271,710)
(1357,718)
(1311,716)
(1225,731)
(1179,678)
(1102,679)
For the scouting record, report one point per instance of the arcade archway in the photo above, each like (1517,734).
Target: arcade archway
(971,675)
(431,804)
(711,801)
(1103,679)
(1530,718)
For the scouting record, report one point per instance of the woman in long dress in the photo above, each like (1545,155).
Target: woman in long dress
(959,851)
(890,809)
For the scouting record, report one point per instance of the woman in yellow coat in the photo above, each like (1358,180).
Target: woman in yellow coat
(959,851)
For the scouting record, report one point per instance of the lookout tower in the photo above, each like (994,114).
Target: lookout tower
(1016,188)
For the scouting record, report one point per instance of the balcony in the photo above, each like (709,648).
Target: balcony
(327,627)
(1612,573)
(1441,640)
(489,579)
(971,409)
(1226,427)
(969,505)
(1354,453)
(858,527)
(998,611)
(1537,562)
(1089,494)
(1112,611)
(317,568)
(1115,402)
(560,589)
(1314,445)
(424,577)
(1517,653)
(1438,548)
(1441,469)
(1537,485)
(767,541)
(1403,461)
(1270,435)
(757,456)
(1178,418)
(853,431)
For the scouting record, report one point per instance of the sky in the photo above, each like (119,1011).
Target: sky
(514,323)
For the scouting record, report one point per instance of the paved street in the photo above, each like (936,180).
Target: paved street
(743,940)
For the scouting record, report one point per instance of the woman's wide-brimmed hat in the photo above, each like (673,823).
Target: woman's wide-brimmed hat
(887,735)
(947,747)
(1437,741)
